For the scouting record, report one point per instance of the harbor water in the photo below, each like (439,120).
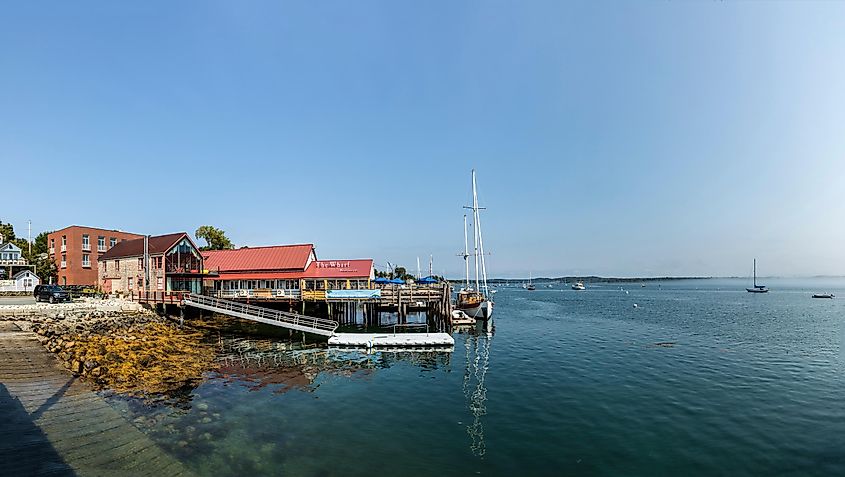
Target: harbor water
(699,378)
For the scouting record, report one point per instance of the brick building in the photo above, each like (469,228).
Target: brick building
(75,251)
(175,264)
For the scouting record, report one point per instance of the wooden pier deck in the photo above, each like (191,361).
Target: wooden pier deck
(54,424)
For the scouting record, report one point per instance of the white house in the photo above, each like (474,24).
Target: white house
(10,255)
(24,280)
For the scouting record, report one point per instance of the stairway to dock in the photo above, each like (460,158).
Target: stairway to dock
(293,321)
(320,326)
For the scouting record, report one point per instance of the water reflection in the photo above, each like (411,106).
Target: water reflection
(477,362)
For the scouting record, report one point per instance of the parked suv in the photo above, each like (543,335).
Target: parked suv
(51,293)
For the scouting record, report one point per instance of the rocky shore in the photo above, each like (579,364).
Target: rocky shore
(117,345)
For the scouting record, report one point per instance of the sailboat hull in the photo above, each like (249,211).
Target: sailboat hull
(757,290)
(480,311)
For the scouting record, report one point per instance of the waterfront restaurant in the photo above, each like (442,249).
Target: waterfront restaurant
(282,272)
(174,264)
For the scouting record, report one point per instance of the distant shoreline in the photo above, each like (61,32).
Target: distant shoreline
(591,279)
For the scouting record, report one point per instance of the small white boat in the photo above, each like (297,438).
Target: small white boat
(578,286)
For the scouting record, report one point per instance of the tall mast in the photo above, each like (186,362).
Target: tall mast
(419,273)
(466,249)
(755,273)
(475,229)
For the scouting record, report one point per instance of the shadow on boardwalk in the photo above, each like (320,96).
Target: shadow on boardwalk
(24,449)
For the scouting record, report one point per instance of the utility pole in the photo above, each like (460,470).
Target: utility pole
(29,239)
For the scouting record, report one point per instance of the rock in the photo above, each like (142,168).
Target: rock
(76,367)
(202,406)
(205,420)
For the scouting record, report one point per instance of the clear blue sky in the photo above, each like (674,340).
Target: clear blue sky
(612,138)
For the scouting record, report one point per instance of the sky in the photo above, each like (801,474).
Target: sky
(610,138)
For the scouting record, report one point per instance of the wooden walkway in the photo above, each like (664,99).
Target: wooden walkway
(293,321)
(53,424)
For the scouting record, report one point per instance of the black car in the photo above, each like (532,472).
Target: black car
(51,293)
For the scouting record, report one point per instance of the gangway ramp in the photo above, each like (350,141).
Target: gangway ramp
(293,321)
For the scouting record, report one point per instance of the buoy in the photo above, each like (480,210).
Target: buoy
(636,306)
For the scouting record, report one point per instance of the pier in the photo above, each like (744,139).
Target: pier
(55,424)
(311,324)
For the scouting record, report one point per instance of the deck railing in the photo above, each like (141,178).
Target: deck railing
(279,293)
(168,297)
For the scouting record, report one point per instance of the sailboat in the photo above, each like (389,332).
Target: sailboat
(757,288)
(530,286)
(473,300)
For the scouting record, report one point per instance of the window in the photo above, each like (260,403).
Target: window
(86,242)
(129,282)
(86,260)
(64,243)
(64,261)
(112,242)
(160,283)
(105,267)
(52,245)
(101,244)
(140,264)
(117,266)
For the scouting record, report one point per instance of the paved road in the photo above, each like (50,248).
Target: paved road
(17,300)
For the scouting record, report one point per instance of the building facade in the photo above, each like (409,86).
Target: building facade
(283,271)
(172,263)
(76,251)
(23,281)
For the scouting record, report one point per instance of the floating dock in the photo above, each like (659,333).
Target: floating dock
(392,340)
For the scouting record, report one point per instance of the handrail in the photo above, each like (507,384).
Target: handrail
(279,316)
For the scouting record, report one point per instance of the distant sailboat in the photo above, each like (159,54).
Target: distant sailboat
(530,286)
(757,288)
(474,301)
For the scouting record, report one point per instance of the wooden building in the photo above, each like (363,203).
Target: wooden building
(289,272)
(172,263)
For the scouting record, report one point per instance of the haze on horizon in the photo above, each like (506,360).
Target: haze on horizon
(630,139)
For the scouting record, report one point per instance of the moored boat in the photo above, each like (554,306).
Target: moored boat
(757,288)
(473,300)
(824,295)
(579,285)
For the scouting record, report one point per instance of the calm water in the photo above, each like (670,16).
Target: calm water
(701,378)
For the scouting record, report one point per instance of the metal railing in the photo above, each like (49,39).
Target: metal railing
(284,293)
(285,319)
(174,297)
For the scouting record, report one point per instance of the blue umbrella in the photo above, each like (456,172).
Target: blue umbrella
(381,280)
(397,281)
(427,280)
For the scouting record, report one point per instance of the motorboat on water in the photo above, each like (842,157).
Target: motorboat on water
(578,286)
(757,288)
(474,300)
(824,295)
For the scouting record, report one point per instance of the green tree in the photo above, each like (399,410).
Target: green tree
(8,232)
(215,238)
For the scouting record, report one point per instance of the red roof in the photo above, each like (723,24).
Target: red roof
(135,248)
(279,258)
(327,269)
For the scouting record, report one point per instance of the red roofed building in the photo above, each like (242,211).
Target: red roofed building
(282,271)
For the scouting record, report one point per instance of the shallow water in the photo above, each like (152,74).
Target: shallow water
(701,378)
